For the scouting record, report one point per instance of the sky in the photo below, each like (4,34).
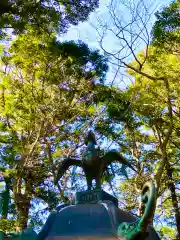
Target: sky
(87,32)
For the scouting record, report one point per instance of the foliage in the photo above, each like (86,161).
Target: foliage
(7,225)
(43,15)
(51,92)
(156,105)
(166,28)
(46,89)
(149,134)
(167,232)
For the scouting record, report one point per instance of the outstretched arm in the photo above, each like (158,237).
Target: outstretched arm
(113,156)
(63,167)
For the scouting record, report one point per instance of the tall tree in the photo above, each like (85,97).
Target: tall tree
(43,15)
(156,101)
(46,88)
(166,28)
(155,71)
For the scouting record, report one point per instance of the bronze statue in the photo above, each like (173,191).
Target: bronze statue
(92,164)
(101,219)
(96,213)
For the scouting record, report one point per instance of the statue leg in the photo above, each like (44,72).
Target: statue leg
(89,183)
(98,183)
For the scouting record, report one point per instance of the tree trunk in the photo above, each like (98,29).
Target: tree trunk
(22,205)
(22,202)
(6,198)
(172,189)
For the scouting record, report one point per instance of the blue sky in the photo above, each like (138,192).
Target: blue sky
(87,32)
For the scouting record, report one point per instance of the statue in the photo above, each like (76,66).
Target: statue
(94,214)
(92,164)
(106,222)
(100,220)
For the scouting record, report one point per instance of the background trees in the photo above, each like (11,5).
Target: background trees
(153,93)
(52,92)
(46,89)
(43,15)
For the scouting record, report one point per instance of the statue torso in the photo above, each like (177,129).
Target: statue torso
(91,155)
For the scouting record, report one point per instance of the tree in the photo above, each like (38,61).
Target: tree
(44,15)
(156,101)
(155,71)
(145,128)
(130,34)
(166,28)
(45,91)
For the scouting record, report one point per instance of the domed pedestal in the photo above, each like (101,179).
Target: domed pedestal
(95,216)
(92,217)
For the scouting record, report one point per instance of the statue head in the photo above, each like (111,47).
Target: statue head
(90,138)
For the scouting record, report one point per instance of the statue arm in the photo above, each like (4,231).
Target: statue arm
(63,167)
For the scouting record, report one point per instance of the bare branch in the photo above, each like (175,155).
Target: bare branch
(130,32)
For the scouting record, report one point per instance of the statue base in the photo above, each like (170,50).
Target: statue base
(94,196)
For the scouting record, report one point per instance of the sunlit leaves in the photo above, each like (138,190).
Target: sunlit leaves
(151,101)
(46,93)
(166,32)
(7,225)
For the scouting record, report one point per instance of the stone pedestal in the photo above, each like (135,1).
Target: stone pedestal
(94,196)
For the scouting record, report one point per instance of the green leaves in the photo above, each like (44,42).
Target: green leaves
(42,15)
(92,109)
(7,225)
(46,97)
(167,232)
(166,32)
